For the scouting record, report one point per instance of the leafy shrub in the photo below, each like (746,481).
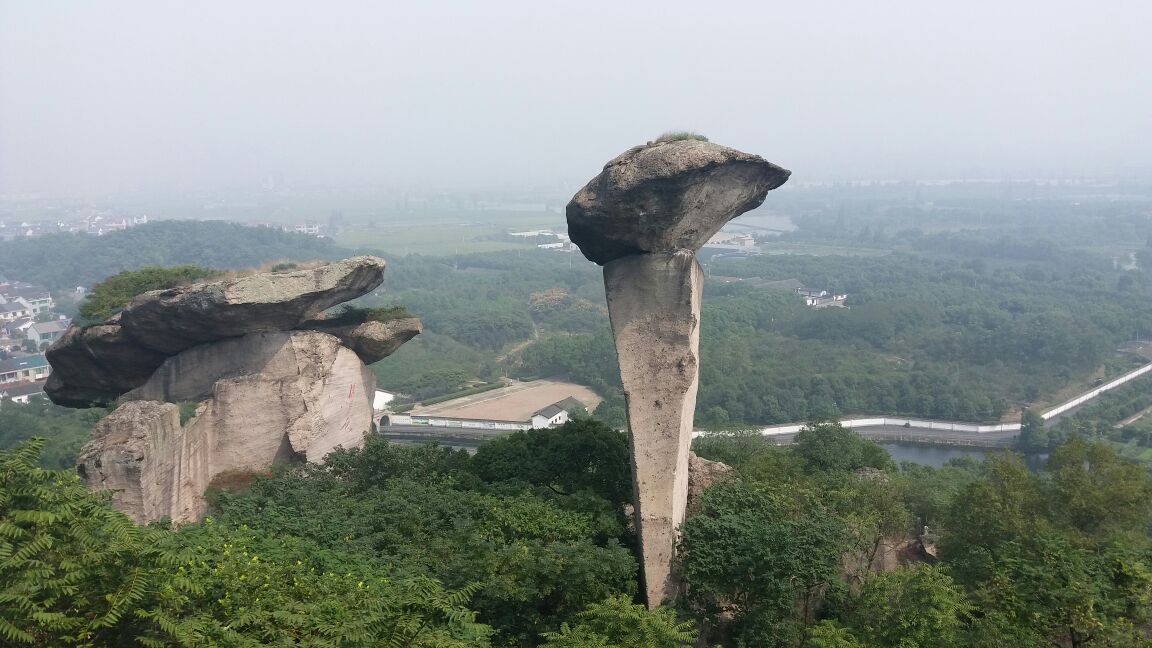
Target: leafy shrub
(114,293)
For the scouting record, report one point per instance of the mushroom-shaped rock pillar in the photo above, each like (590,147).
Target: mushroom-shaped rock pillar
(642,219)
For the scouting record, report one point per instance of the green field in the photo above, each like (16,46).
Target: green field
(443,234)
(429,239)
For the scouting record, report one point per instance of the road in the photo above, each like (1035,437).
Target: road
(920,431)
(913,435)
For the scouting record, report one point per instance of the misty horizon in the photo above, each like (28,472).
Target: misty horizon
(158,96)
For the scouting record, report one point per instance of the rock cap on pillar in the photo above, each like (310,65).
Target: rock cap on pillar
(665,196)
(642,218)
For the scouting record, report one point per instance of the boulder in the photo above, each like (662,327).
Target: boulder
(94,365)
(97,364)
(702,473)
(666,196)
(262,399)
(170,321)
(372,341)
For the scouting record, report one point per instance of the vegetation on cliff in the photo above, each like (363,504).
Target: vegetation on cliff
(113,294)
(819,545)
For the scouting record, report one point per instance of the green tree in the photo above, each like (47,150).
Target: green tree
(829,634)
(763,557)
(73,572)
(827,445)
(114,293)
(616,622)
(1096,492)
(1005,506)
(1034,435)
(918,607)
(581,455)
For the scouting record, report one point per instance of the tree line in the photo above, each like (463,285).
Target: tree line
(826,543)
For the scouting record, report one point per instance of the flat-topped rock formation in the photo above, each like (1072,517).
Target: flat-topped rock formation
(281,386)
(643,218)
(95,365)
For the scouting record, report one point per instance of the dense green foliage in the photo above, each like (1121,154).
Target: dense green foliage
(526,544)
(387,545)
(63,261)
(541,538)
(73,572)
(64,429)
(618,623)
(973,335)
(784,553)
(349,314)
(111,295)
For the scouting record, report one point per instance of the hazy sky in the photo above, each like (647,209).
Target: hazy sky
(152,94)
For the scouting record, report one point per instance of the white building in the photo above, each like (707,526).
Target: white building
(551,416)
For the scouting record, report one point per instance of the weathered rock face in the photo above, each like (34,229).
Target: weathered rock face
(372,341)
(702,473)
(300,384)
(643,218)
(170,321)
(654,306)
(265,398)
(667,196)
(98,364)
(263,395)
(141,454)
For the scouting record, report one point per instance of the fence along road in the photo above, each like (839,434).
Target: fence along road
(945,429)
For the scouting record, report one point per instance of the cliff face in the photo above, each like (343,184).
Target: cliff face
(261,397)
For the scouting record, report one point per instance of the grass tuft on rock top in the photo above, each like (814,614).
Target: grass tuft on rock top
(115,293)
(349,314)
(676,136)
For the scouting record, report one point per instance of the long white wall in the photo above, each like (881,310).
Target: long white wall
(951,426)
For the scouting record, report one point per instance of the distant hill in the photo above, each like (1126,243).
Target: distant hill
(62,261)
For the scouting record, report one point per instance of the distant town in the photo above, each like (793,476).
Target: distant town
(29,323)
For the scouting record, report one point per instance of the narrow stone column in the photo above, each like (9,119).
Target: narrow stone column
(642,218)
(654,305)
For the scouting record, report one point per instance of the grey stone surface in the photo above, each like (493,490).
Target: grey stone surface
(170,321)
(97,364)
(372,341)
(264,393)
(138,452)
(642,218)
(702,473)
(666,196)
(263,399)
(654,306)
